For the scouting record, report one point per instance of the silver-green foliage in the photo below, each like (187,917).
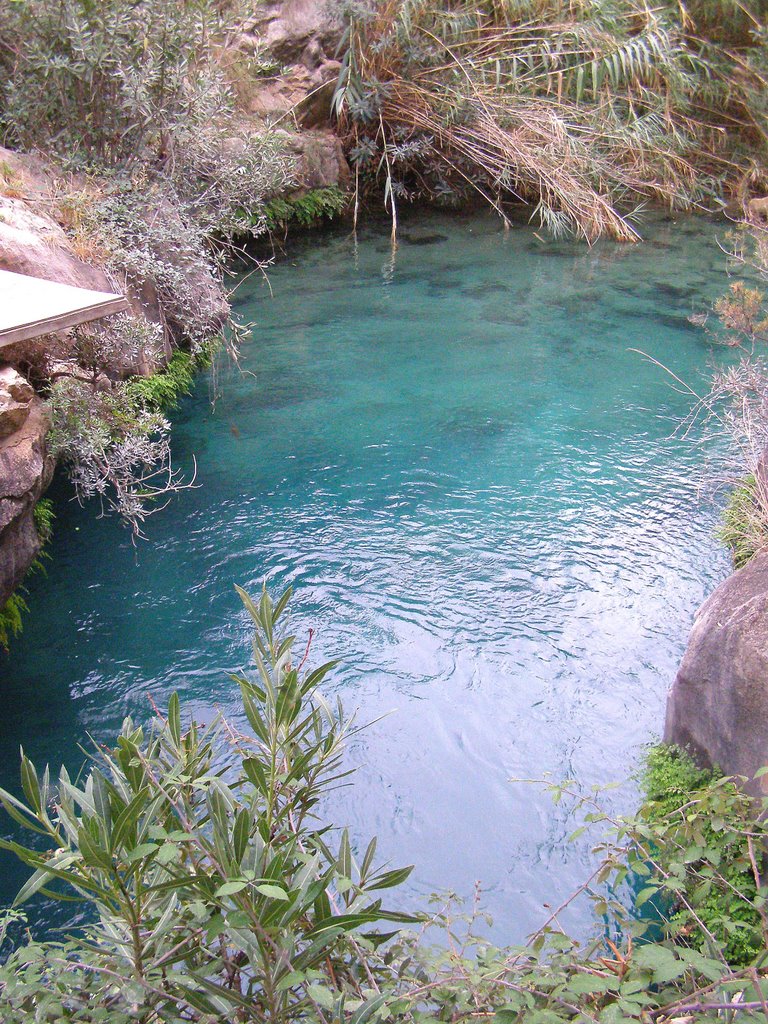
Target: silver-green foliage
(106,81)
(113,446)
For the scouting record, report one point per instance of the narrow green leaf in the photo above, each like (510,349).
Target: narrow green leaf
(241,833)
(30,782)
(174,718)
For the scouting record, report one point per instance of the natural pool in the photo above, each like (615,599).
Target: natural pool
(472,485)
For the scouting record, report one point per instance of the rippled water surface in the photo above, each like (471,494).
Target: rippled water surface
(470,480)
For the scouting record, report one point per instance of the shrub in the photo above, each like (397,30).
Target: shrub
(711,846)
(113,447)
(218,895)
(582,110)
(107,83)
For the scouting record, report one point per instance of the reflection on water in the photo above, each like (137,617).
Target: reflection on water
(471,482)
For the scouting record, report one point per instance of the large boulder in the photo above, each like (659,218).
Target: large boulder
(718,705)
(25,472)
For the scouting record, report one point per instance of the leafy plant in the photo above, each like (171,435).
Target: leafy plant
(218,894)
(708,840)
(113,447)
(11,621)
(306,210)
(44,517)
(107,83)
(742,527)
(165,389)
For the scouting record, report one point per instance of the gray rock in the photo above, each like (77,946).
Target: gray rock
(321,159)
(718,705)
(25,472)
(16,393)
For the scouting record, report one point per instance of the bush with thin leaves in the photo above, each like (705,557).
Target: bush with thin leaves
(218,895)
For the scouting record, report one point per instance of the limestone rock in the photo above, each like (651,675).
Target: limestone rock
(303,39)
(286,27)
(321,160)
(718,705)
(25,472)
(16,394)
(32,242)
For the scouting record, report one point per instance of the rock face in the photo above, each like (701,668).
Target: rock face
(25,472)
(321,159)
(16,394)
(718,705)
(302,40)
(32,242)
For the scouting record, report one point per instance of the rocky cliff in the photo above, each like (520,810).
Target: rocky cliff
(25,472)
(299,40)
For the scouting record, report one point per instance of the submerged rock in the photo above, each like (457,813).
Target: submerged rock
(718,705)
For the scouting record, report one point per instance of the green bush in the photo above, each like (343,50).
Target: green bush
(219,895)
(107,83)
(705,822)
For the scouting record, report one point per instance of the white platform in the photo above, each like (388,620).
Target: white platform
(31,307)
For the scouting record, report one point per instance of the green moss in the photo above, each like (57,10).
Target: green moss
(740,526)
(164,390)
(306,210)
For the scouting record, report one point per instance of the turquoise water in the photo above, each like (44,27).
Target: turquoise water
(472,484)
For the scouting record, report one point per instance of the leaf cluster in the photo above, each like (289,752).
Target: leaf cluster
(218,895)
(305,210)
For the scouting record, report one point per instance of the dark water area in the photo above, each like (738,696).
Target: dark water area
(473,483)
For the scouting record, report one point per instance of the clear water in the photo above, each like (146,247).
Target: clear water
(471,482)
